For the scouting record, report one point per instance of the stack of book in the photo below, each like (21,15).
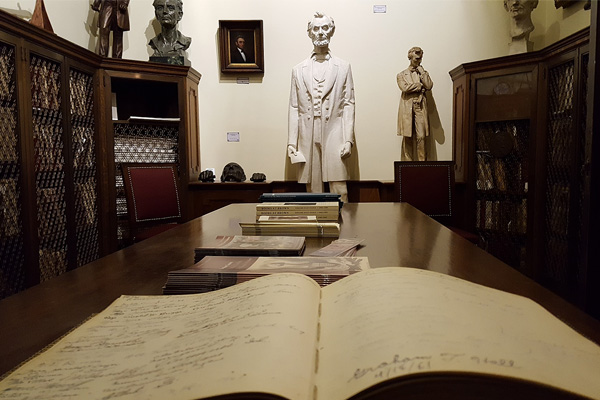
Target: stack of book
(303,225)
(296,214)
(252,246)
(218,272)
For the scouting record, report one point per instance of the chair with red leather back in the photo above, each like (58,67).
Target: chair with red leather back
(153,198)
(429,187)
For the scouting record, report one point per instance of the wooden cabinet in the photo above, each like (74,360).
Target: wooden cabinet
(60,147)
(519,146)
(150,114)
(49,175)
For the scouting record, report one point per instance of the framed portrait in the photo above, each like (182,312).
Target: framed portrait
(241,46)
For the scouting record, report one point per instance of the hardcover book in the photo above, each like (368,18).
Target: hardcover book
(383,333)
(306,229)
(323,211)
(339,248)
(241,245)
(218,272)
(287,218)
(300,197)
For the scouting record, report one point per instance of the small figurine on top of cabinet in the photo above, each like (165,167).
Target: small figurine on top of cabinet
(113,16)
(170,45)
(413,121)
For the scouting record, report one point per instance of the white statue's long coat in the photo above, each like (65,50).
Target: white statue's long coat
(337,117)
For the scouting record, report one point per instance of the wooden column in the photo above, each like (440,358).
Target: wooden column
(592,165)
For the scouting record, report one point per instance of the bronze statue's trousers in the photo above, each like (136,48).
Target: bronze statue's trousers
(413,147)
(117,49)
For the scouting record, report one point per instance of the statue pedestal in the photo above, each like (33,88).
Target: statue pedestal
(518,46)
(173,60)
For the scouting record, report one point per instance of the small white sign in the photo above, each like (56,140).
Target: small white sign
(243,81)
(380,9)
(233,136)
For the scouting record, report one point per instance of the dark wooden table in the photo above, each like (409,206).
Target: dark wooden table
(395,234)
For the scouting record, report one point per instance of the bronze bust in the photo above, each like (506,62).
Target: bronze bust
(170,45)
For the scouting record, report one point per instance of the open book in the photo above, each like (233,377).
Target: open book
(381,333)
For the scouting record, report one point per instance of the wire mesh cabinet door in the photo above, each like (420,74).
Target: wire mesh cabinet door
(12,252)
(503,124)
(562,155)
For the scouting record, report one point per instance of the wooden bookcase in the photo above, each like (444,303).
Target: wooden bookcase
(519,145)
(150,114)
(49,174)
(60,148)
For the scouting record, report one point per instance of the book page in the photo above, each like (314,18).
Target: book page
(388,322)
(256,336)
(297,157)
(310,265)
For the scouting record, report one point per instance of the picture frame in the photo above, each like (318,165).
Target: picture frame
(237,35)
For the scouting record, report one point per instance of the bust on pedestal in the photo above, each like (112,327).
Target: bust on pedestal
(169,46)
(520,24)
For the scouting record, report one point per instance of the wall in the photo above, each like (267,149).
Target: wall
(555,24)
(451,32)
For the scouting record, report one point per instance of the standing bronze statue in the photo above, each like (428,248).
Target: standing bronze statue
(113,16)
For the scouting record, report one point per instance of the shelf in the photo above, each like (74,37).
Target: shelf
(9,170)
(148,121)
(50,179)
(86,228)
(46,113)
(516,238)
(11,242)
(7,102)
(79,120)
(499,195)
(562,114)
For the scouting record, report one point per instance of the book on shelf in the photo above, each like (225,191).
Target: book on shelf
(244,245)
(383,333)
(218,272)
(113,107)
(306,229)
(167,119)
(324,211)
(137,118)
